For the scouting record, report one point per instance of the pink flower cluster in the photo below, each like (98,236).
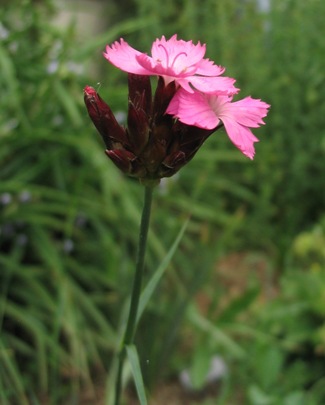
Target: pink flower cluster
(203,97)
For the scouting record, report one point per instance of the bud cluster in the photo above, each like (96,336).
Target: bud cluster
(153,144)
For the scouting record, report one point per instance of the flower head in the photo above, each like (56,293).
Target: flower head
(174,60)
(153,145)
(206,111)
(190,88)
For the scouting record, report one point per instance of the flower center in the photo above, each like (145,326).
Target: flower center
(171,65)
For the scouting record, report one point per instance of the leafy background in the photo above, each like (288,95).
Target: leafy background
(248,280)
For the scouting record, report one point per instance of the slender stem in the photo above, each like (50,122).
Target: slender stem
(136,290)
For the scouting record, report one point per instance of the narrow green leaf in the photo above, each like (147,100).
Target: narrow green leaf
(259,397)
(11,369)
(136,371)
(153,282)
(9,75)
(221,337)
(69,104)
(239,305)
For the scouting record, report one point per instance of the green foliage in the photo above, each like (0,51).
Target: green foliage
(136,371)
(279,57)
(62,234)
(68,219)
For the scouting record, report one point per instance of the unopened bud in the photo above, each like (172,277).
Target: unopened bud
(103,119)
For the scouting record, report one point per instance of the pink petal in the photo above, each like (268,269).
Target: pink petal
(124,57)
(241,137)
(173,51)
(149,64)
(174,60)
(206,111)
(192,109)
(194,53)
(207,68)
(214,85)
(248,111)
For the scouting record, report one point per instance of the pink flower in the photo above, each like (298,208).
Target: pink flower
(207,110)
(174,60)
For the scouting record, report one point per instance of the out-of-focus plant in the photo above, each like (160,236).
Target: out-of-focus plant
(62,234)
(279,55)
(164,131)
(57,247)
(286,362)
(278,51)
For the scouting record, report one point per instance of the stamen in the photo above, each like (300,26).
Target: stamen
(167,56)
(179,54)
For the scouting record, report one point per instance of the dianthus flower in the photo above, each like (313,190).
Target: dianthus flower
(174,60)
(206,111)
(165,130)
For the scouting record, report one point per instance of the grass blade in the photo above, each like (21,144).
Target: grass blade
(201,323)
(133,357)
(153,282)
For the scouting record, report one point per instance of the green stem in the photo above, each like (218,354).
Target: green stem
(136,290)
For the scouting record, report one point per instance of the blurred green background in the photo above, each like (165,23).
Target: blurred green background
(247,283)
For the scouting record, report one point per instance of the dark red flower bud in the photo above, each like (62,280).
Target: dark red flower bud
(104,120)
(138,128)
(139,112)
(162,98)
(122,159)
(140,92)
(175,160)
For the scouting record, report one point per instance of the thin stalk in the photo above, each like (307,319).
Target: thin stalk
(136,289)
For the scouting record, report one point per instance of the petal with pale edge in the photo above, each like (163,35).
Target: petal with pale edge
(206,110)
(248,111)
(241,136)
(238,117)
(192,109)
(124,57)
(170,52)
(207,68)
(214,85)
(174,60)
